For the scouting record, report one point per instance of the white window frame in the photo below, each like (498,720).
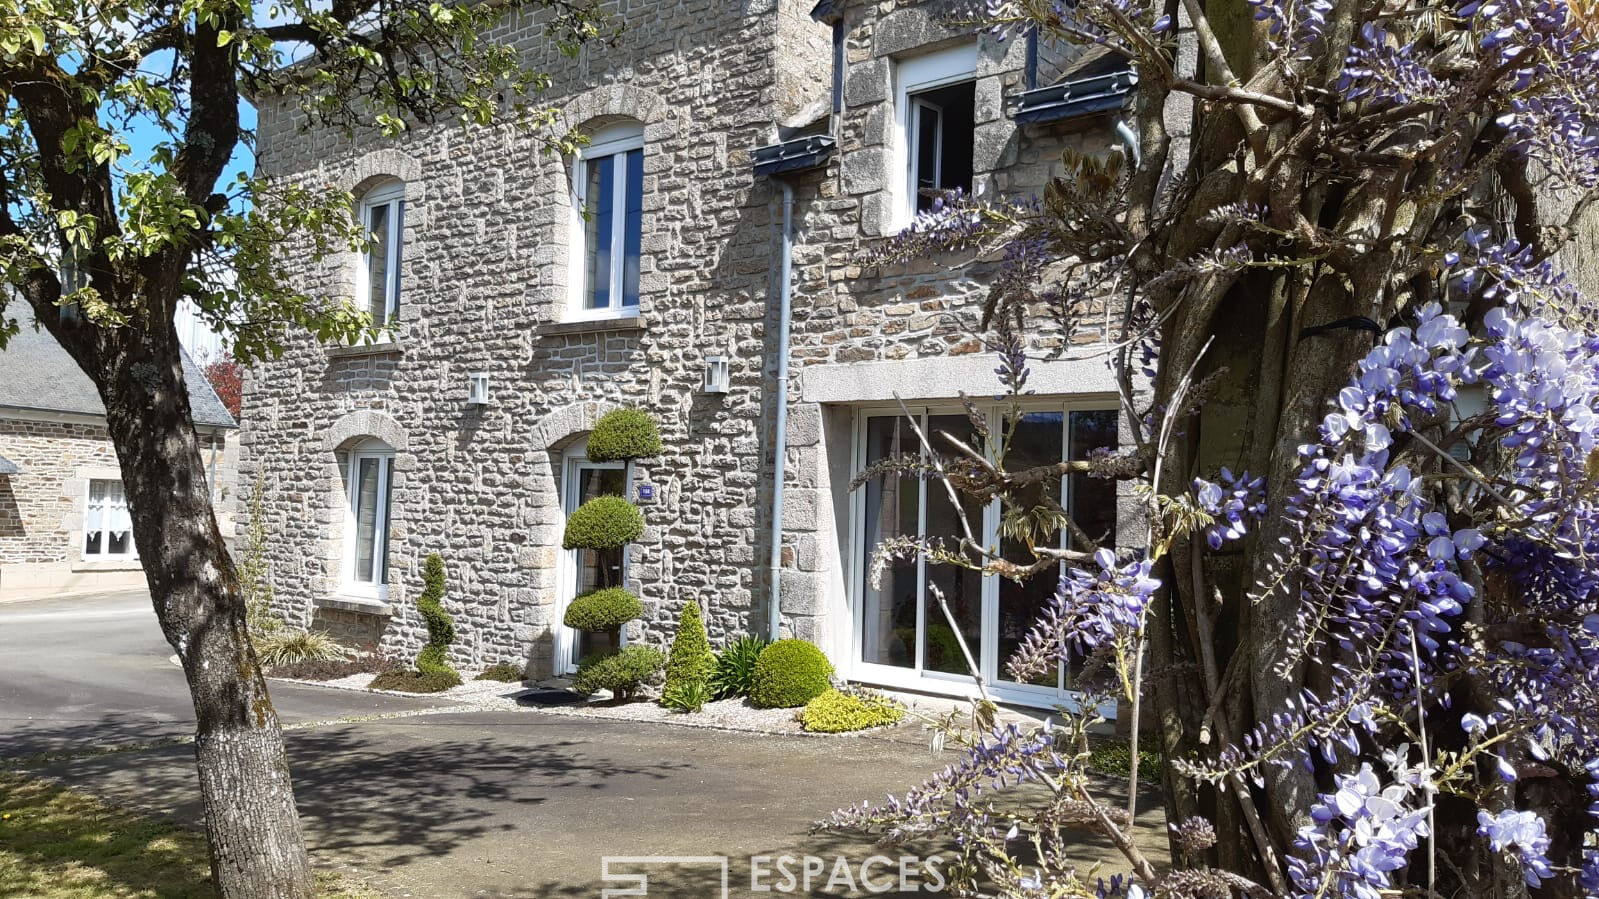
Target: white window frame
(105,541)
(917,677)
(614,140)
(378,587)
(389,193)
(915,75)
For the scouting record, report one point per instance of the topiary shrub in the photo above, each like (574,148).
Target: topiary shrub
(691,660)
(432,660)
(623,673)
(735,667)
(790,673)
(603,610)
(837,711)
(623,434)
(604,522)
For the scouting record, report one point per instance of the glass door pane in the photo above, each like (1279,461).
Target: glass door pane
(1092,501)
(962,588)
(1039,439)
(366,517)
(893,508)
(596,569)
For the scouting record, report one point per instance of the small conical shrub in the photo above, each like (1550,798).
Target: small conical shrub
(691,661)
(623,434)
(604,522)
(432,660)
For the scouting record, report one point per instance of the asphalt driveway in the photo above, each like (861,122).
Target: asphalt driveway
(439,800)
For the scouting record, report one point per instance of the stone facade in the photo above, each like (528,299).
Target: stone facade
(486,271)
(42,506)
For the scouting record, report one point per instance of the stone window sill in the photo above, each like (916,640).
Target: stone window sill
(361,604)
(591,326)
(130,564)
(381,348)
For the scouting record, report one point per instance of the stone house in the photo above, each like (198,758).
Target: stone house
(64,525)
(741,156)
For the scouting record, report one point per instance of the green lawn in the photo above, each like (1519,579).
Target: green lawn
(58,844)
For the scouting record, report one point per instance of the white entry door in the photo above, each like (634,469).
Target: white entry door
(585,570)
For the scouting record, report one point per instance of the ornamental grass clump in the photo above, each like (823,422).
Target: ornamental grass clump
(623,674)
(790,673)
(604,522)
(838,711)
(623,434)
(691,661)
(433,659)
(735,667)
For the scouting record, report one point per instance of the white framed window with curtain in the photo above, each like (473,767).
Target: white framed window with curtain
(377,287)
(608,223)
(368,476)
(107,525)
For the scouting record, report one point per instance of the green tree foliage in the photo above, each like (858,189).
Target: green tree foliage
(691,660)
(623,434)
(434,657)
(146,229)
(789,674)
(603,610)
(623,673)
(604,522)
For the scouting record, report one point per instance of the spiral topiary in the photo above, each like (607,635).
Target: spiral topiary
(603,610)
(623,434)
(790,673)
(691,660)
(441,629)
(604,522)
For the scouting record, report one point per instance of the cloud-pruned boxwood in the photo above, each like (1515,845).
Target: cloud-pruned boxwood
(433,659)
(624,673)
(603,610)
(623,434)
(691,660)
(835,711)
(789,674)
(604,522)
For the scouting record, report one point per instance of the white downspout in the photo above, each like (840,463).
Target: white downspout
(780,445)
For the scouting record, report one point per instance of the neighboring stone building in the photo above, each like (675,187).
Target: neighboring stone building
(709,122)
(64,525)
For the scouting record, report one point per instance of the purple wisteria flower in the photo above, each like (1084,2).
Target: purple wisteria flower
(1090,609)
(1360,834)
(1523,833)
(1234,501)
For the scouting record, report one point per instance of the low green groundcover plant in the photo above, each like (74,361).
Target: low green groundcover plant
(1113,757)
(604,522)
(406,681)
(505,672)
(790,673)
(735,667)
(333,669)
(434,658)
(687,696)
(838,711)
(603,610)
(691,660)
(624,673)
(623,434)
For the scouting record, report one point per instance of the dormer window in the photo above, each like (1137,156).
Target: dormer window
(935,105)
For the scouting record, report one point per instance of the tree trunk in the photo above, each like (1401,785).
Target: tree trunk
(257,849)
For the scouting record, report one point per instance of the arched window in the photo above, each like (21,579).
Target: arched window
(377,285)
(368,473)
(608,222)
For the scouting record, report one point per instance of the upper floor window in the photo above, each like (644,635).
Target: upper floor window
(366,555)
(610,193)
(378,282)
(107,526)
(935,103)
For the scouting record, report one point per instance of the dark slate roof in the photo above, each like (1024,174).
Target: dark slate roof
(36,373)
(8,467)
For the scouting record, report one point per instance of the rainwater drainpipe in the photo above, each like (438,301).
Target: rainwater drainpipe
(1125,132)
(780,461)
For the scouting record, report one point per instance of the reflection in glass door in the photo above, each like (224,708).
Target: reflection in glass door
(587,570)
(904,633)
